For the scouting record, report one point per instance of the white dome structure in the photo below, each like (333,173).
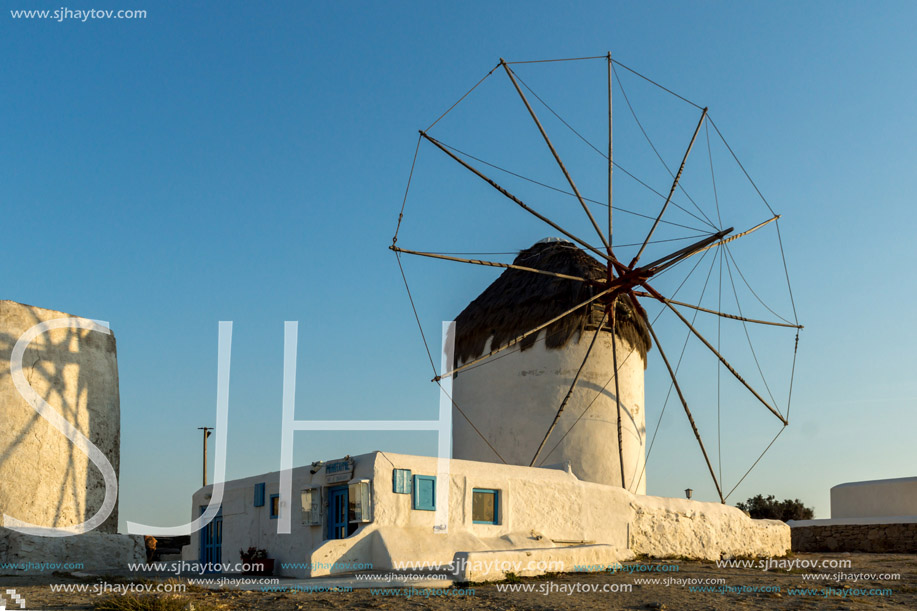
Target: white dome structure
(513,397)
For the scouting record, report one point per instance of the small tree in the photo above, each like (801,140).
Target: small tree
(761,508)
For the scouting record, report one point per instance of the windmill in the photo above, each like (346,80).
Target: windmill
(610,290)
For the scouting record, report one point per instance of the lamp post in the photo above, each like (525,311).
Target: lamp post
(688,493)
(207,434)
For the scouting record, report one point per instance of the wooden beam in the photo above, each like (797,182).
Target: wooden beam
(655,294)
(488,263)
(614,361)
(744,233)
(688,251)
(723,314)
(685,406)
(672,190)
(557,158)
(610,157)
(512,197)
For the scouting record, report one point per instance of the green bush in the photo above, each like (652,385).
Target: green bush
(761,508)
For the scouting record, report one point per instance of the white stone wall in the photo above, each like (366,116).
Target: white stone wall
(874,499)
(513,397)
(92,551)
(671,527)
(45,479)
(539,509)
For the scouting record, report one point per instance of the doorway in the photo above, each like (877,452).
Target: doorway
(212,541)
(338,501)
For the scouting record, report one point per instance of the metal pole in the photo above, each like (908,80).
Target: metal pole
(207,433)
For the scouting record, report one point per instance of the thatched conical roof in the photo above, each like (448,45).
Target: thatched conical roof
(519,301)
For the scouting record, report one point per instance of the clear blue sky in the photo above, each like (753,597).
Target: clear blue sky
(246,162)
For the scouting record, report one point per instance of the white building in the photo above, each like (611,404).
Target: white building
(882,498)
(379,509)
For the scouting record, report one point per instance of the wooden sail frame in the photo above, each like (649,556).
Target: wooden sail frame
(621,280)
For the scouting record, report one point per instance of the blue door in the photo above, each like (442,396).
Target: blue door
(337,512)
(212,541)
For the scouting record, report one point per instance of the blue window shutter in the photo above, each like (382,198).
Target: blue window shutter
(401,481)
(259,495)
(425,492)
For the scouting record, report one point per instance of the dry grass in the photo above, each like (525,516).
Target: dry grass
(152,602)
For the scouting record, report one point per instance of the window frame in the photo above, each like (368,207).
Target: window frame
(313,515)
(416,503)
(496,494)
(259,494)
(274,516)
(359,496)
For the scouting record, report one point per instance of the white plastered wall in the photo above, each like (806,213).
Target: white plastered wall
(512,399)
(45,479)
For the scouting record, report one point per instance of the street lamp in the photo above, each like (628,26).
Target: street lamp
(207,434)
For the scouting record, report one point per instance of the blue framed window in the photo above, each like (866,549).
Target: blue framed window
(275,506)
(401,481)
(425,492)
(259,495)
(485,506)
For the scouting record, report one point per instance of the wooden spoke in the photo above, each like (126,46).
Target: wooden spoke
(655,294)
(723,314)
(516,340)
(614,362)
(685,405)
(610,158)
(563,404)
(560,163)
(688,251)
(672,190)
(488,263)
(744,233)
(513,198)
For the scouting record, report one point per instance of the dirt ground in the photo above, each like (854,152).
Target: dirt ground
(867,583)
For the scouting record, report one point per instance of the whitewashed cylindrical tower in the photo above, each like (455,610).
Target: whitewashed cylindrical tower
(45,479)
(513,397)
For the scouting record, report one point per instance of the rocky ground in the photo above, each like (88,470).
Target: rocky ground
(865,584)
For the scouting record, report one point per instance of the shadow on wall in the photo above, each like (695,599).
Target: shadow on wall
(47,480)
(632,429)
